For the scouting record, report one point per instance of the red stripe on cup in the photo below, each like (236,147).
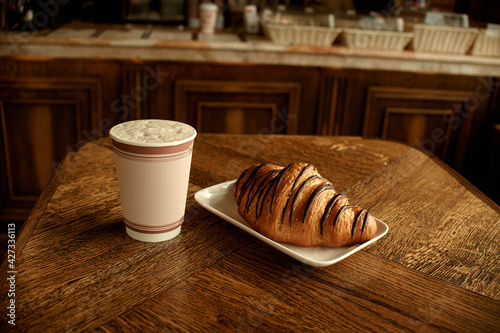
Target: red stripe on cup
(153,229)
(151,158)
(152,150)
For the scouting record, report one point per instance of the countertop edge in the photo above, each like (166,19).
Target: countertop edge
(258,53)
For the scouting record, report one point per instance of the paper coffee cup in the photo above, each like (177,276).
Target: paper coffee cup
(208,17)
(153,162)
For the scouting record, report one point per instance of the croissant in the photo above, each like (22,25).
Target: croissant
(294,204)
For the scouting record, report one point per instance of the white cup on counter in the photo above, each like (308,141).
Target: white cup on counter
(251,19)
(208,16)
(153,162)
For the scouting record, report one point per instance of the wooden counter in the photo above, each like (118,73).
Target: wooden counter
(436,270)
(147,44)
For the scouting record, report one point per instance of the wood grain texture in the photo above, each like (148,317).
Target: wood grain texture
(359,158)
(83,237)
(258,290)
(447,232)
(436,270)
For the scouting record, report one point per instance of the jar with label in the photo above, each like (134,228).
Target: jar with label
(251,19)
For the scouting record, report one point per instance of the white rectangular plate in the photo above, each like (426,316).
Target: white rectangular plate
(219,199)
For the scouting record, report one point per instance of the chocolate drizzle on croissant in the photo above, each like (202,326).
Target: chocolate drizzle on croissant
(267,195)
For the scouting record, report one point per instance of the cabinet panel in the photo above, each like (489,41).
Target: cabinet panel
(413,126)
(41,120)
(238,107)
(331,101)
(234,117)
(433,119)
(145,92)
(35,132)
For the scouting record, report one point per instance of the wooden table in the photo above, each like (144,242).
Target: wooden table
(437,269)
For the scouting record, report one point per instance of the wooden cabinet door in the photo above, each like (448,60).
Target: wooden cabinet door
(238,107)
(41,120)
(437,120)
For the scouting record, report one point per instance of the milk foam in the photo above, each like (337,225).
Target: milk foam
(152,131)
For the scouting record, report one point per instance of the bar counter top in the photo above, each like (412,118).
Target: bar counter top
(144,43)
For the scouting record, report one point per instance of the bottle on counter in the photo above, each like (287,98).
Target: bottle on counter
(251,19)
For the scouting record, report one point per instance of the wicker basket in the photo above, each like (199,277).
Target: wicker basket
(300,35)
(376,39)
(440,39)
(487,44)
